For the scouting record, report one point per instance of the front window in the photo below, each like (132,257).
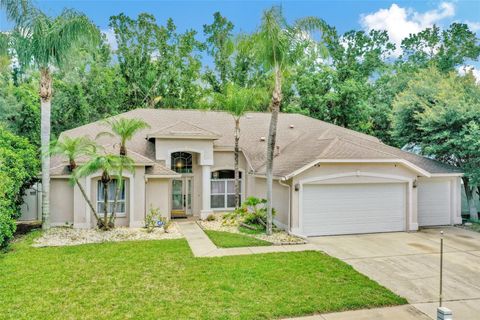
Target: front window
(112,186)
(223,189)
(181,162)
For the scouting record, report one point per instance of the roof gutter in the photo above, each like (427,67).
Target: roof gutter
(406,163)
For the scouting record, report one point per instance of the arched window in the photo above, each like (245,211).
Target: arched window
(181,162)
(223,189)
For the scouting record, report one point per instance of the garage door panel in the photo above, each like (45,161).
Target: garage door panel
(353,208)
(433,203)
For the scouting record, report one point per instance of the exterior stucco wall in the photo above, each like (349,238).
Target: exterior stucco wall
(280,200)
(61,202)
(165,147)
(158,195)
(381,173)
(451,191)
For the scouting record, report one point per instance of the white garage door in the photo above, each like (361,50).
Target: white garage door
(433,203)
(353,208)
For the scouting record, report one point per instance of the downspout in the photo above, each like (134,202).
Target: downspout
(145,199)
(280,182)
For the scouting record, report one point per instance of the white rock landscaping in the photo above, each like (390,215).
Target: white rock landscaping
(278,237)
(64,236)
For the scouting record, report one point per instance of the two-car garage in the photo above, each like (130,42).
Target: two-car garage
(388,198)
(331,209)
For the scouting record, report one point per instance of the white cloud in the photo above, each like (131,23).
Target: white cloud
(111,40)
(401,22)
(464,69)
(474,26)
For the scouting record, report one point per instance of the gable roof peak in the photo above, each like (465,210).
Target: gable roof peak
(184,129)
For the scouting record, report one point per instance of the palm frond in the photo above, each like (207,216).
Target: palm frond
(124,128)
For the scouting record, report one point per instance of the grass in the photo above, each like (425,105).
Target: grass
(475,225)
(234,240)
(162,280)
(251,231)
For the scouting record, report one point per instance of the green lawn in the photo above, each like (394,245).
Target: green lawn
(162,280)
(233,240)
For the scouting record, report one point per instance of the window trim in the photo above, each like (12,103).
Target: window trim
(124,201)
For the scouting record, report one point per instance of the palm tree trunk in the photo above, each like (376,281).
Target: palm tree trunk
(45,106)
(272,137)
(87,199)
(111,222)
(469,193)
(236,152)
(123,153)
(105,209)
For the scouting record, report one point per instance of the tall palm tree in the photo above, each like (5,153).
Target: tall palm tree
(279,45)
(71,149)
(109,165)
(46,42)
(124,129)
(237,101)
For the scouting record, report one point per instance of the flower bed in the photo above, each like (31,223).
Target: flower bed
(278,237)
(63,236)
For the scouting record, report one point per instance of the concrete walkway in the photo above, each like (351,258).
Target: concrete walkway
(202,246)
(407,312)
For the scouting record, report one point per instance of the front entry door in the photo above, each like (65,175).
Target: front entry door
(181,197)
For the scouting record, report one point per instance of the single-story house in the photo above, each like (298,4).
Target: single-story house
(328,180)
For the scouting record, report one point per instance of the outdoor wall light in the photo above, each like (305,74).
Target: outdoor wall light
(297,186)
(414,184)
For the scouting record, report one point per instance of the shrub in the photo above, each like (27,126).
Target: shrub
(253,212)
(18,169)
(152,218)
(211,217)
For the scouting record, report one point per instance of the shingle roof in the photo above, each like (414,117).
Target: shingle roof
(300,139)
(159,169)
(184,129)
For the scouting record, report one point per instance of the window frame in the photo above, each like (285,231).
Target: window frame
(225,193)
(187,157)
(120,200)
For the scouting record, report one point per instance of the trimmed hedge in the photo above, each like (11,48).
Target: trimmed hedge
(19,164)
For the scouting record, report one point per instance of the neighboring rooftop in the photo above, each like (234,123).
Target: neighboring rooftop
(300,139)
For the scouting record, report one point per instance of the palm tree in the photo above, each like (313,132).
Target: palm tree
(46,43)
(237,101)
(124,129)
(72,149)
(279,45)
(109,165)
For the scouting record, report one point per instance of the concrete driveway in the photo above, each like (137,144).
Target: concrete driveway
(408,264)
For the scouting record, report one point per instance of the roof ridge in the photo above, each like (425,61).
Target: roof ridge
(368,147)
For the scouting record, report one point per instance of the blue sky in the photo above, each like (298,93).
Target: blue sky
(399,18)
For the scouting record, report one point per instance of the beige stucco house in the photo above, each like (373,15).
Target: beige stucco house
(328,180)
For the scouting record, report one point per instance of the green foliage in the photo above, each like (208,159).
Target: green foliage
(18,169)
(124,129)
(441,114)
(151,219)
(253,212)
(161,67)
(446,49)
